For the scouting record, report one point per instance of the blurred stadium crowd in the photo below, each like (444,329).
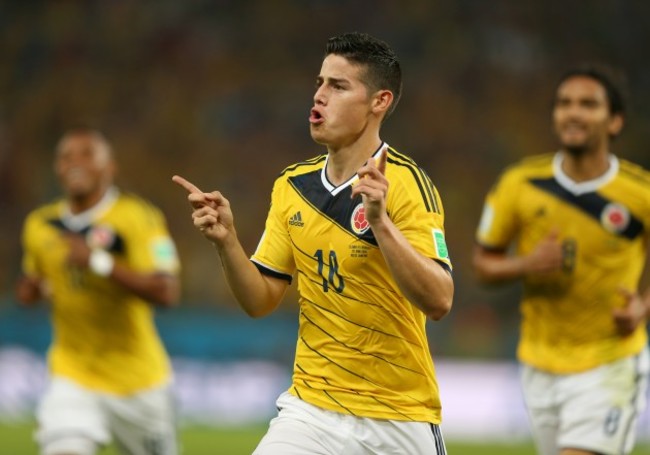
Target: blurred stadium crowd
(220,90)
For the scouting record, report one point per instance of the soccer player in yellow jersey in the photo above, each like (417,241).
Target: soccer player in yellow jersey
(361,228)
(579,221)
(102,257)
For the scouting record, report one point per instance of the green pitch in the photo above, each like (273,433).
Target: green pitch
(16,439)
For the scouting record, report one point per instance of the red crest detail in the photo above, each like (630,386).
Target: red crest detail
(359,222)
(100,237)
(615,217)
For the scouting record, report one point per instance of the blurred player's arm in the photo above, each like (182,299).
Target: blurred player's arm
(257,294)
(645,284)
(495,266)
(635,312)
(158,288)
(30,290)
(646,303)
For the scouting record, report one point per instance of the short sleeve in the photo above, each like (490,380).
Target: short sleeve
(498,223)
(416,209)
(274,253)
(150,246)
(29,260)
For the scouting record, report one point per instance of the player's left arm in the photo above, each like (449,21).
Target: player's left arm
(424,282)
(636,310)
(160,288)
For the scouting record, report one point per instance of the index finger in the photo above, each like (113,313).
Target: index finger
(383,157)
(189,186)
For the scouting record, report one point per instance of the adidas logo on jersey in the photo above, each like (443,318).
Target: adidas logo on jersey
(296,220)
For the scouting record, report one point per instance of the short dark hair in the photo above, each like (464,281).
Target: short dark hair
(81,128)
(613,82)
(383,70)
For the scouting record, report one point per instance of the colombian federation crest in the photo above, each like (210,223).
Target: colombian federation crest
(358,220)
(100,236)
(615,217)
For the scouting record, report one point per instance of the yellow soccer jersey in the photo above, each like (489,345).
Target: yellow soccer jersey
(362,347)
(567,323)
(104,338)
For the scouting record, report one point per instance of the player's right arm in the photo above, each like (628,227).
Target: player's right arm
(499,227)
(494,266)
(30,287)
(256,293)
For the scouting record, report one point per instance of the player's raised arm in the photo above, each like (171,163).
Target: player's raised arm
(373,187)
(427,285)
(257,294)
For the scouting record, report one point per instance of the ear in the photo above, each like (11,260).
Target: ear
(113,167)
(615,125)
(381,101)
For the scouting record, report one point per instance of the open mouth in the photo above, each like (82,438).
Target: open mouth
(75,178)
(315,117)
(573,129)
(75,174)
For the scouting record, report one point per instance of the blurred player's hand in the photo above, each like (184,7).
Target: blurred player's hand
(373,187)
(78,250)
(29,290)
(211,212)
(628,317)
(547,256)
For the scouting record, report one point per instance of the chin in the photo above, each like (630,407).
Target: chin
(575,150)
(318,138)
(77,192)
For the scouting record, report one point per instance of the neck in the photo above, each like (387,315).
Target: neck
(586,166)
(344,162)
(80,203)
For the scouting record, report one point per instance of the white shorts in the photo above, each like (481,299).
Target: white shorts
(302,428)
(72,419)
(595,410)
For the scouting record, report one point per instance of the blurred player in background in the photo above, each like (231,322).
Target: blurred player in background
(102,257)
(362,229)
(580,219)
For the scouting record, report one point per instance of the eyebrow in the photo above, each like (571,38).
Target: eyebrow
(334,80)
(580,99)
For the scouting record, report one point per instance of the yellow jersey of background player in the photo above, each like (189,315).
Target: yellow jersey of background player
(602,226)
(104,336)
(351,347)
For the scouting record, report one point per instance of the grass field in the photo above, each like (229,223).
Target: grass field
(16,439)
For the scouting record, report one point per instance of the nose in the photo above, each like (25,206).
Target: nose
(319,96)
(574,109)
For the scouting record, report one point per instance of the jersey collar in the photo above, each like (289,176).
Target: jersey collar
(334,190)
(589,186)
(77,222)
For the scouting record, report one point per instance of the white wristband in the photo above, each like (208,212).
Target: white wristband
(101,262)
